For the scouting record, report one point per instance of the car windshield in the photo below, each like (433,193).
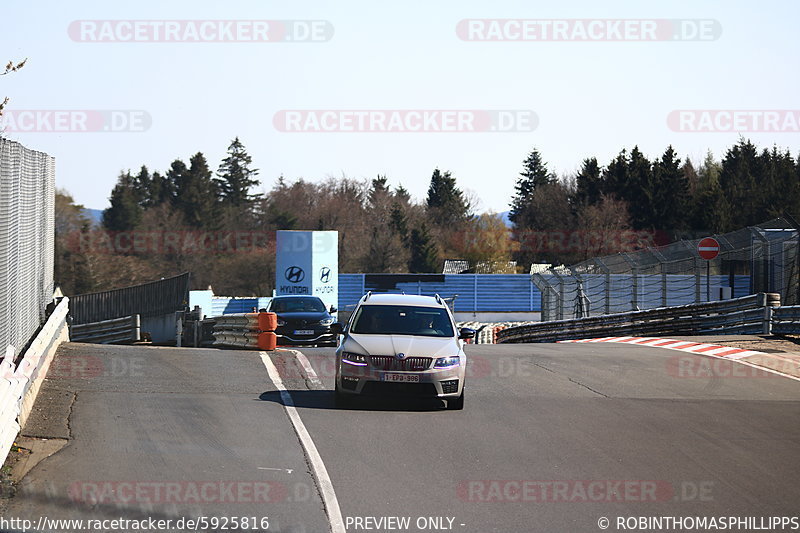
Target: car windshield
(402,320)
(298,305)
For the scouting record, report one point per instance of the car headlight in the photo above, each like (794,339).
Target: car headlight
(356,359)
(447,362)
(326,322)
(281,322)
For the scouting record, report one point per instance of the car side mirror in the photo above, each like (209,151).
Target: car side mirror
(466,333)
(337,328)
(333,309)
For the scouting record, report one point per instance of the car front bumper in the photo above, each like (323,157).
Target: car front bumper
(363,380)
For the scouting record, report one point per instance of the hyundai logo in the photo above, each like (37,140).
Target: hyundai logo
(325,275)
(294,274)
(401,356)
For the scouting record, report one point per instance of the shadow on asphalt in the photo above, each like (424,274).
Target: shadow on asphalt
(323,399)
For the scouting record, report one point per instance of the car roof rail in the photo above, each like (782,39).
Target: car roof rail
(438,299)
(366,296)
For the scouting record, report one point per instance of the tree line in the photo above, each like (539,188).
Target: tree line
(666,198)
(631,201)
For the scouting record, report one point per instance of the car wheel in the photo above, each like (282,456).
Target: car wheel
(456,404)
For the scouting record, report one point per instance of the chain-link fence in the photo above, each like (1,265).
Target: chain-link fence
(763,258)
(27,196)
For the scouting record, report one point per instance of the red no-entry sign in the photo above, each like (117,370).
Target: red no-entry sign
(708,248)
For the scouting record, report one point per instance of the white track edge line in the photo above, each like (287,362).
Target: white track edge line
(327,492)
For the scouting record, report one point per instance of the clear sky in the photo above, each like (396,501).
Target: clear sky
(592,98)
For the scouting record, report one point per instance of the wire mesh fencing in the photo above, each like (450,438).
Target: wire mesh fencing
(27,196)
(761,258)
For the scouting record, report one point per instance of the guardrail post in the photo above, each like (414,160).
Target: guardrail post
(178,328)
(607,288)
(634,281)
(767,321)
(697,282)
(136,328)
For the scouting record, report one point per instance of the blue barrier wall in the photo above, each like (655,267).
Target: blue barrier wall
(475,292)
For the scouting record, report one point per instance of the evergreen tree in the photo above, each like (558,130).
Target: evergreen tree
(143,184)
(780,184)
(236,178)
(378,192)
(534,175)
(125,211)
(639,191)
(424,256)
(615,176)
(670,193)
(739,178)
(691,177)
(588,186)
(446,203)
(402,194)
(398,222)
(195,193)
(709,211)
(161,191)
(177,179)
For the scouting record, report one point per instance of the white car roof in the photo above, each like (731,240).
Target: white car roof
(402,299)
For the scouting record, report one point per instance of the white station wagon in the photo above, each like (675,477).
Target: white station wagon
(401,344)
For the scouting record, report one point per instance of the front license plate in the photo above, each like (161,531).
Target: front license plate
(401,378)
(304,332)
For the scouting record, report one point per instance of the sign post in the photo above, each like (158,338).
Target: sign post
(708,249)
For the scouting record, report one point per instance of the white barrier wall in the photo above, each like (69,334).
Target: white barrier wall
(19,386)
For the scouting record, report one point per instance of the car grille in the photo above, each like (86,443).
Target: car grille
(390,362)
(301,324)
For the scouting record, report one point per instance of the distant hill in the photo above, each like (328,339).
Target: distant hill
(504,217)
(95,215)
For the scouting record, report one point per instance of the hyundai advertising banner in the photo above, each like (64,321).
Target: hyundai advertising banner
(307,262)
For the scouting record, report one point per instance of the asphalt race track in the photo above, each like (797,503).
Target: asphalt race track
(553,437)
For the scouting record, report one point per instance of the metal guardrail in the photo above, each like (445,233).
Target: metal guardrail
(748,315)
(148,299)
(118,330)
(786,320)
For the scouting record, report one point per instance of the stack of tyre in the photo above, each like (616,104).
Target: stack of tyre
(255,331)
